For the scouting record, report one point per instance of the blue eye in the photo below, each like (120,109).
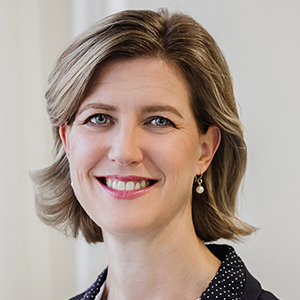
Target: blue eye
(161,121)
(98,119)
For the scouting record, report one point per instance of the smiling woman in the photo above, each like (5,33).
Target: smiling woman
(149,156)
(141,112)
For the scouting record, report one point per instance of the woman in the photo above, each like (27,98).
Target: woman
(149,156)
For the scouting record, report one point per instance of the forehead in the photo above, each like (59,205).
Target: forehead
(142,77)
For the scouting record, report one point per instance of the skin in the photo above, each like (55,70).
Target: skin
(136,124)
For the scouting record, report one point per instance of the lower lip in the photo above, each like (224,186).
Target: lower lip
(126,195)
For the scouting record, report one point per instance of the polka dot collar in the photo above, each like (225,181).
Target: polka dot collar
(228,284)
(230,280)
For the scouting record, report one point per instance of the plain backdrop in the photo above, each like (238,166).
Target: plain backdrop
(261,42)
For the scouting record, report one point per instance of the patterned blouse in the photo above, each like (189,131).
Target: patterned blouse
(228,284)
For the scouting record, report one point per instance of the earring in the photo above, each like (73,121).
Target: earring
(199,180)
(72,185)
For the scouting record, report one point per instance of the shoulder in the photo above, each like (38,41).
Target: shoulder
(266,296)
(254,291)
(248,287)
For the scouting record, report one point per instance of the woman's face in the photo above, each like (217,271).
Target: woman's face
(134,147)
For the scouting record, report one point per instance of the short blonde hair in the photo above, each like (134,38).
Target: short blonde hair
(176,38)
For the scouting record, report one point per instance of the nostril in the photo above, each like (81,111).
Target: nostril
(125,158)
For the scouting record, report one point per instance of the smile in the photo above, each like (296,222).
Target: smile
(126,185)
(126,188)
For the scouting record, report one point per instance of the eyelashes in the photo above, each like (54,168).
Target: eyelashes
(161,121)
(98,119)
(102,120)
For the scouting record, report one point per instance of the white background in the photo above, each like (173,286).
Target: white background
(261,42)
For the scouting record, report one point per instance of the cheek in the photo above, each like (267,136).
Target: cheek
(185,151)
(85,151)
(176,155)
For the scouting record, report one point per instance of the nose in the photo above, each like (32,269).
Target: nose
(125,146)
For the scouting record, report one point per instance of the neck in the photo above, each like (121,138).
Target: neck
(159,266)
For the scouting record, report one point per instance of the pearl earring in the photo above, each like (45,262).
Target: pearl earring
(72,185)
(199,188)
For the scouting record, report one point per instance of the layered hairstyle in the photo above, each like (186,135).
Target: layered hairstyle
(175,38)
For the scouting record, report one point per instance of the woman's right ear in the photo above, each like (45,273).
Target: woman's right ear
(63,132)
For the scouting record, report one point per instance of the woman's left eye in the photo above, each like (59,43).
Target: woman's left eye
(161,121)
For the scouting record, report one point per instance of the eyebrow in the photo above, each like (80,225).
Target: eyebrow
(101,106)
(161,108)
(145,109)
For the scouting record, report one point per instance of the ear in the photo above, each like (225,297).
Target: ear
(209,143)
(63,132)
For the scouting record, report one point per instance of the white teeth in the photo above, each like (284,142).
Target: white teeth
(108,182)
(126,186)
(114,185)
(129,186)
(121,186)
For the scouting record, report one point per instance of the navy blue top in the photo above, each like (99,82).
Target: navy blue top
(232,281)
